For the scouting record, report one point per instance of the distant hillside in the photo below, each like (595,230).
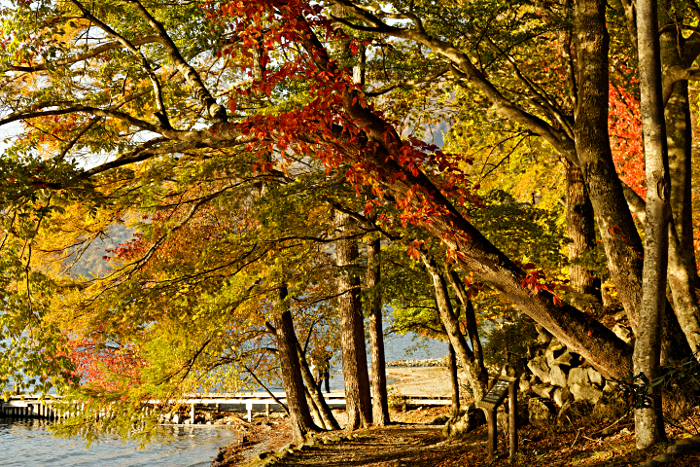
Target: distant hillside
(92,262)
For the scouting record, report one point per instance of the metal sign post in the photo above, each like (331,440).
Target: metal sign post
(504,385)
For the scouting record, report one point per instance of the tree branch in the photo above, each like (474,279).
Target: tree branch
(214,110)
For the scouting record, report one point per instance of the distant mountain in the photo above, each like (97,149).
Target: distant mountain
(92,262)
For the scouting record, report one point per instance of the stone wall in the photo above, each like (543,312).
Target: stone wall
(555,378)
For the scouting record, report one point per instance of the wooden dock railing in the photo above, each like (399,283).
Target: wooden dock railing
(30,406)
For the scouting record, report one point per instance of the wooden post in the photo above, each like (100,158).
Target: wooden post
(491,442)
(512,418)
(249,409)
(192,413)
(267,410)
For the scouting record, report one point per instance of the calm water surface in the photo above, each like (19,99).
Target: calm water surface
(28,443)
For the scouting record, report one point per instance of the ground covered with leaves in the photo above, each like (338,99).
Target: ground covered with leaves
(413,441)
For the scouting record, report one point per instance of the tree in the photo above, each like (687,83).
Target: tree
(648,420)
(352,335)
(380,400)
(150,90)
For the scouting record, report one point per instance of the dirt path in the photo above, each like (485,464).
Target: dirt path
(409,445)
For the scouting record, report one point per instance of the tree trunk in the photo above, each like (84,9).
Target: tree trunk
(454,379)
(649,427)
(454,334)
(472,328)
(682,271)
(380,400)
(352,336)
(329,421)
(580,225)
(621,240)
(300,418)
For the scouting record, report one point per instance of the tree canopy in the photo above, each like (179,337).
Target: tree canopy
(225,134)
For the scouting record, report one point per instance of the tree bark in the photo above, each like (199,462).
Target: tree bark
(454,379)
(472,328)
(580,225)
(649,427)
(454,334)
(682,271)
(352,336)
(621,240)
(300,418)
(380,400)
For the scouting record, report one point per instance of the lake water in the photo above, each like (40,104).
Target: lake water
(28,443)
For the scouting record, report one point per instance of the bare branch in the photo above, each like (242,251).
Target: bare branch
(84,56)
(463,68)
(215,111)
(408,83)
(157,91)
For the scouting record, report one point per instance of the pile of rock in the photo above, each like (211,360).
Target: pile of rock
(556,376)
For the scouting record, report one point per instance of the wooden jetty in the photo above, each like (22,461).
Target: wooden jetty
(30,406)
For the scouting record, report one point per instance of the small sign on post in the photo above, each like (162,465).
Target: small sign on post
(500,388)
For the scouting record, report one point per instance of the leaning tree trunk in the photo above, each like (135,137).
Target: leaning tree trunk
(649,427)
(352,335)
(300,418)
(329,421)
(380,400)
(472,328)
(454,334)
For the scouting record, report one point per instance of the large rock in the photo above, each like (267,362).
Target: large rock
(557,376)
(543,336)
(585,392)
(581,387)
(561,396)
(539,368)
(554,350)
(543,390)
(595,377)
(463,422)
(565,359)
(623,332)
(540,412)
(578,376)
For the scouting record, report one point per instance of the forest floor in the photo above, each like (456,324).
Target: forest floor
(413,441)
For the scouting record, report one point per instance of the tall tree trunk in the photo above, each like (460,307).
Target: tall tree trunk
(682,271)
(649,428)
(454,379)
(621,240)
(454,334)
(352,335)
(300,418)
(329,421)
(380,400)
(580,225)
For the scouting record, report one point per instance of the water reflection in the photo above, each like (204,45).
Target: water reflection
(28,443)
